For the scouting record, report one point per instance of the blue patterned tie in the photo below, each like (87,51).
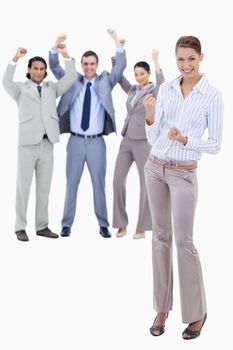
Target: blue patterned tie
(86,108)
(39,89)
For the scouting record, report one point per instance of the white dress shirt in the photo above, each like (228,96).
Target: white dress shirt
(200,110)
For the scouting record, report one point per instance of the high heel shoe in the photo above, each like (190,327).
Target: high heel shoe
(160,329)
(139,235)
(193,334)
(121,232)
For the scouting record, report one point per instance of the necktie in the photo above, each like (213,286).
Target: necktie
(86,108)
(39,89)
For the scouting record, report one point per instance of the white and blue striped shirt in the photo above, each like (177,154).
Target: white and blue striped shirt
(201,109)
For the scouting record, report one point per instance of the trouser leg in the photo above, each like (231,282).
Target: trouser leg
(123,163)
(160,206)
(26,166)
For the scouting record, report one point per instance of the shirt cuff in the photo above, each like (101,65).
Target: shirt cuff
(12,63)
(53,51)
(120,49)
(151,126)
(191,144)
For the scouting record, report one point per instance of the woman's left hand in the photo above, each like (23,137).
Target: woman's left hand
(175,134)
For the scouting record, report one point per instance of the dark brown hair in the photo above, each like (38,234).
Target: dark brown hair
(33,59)
(90,53)
(143,64)
(189,42)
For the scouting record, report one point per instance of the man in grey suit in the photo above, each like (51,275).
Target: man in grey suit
(38,130)
(86,111)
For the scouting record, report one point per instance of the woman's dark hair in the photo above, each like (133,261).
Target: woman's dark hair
(33,59)
(142,64)
(189,42)
(90,53)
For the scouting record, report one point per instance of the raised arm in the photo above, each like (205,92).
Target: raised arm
(54,63)
(120,62)
(158,72)
(11,87)
(124,83)
(70,74)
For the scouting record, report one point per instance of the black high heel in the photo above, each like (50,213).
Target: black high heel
(160,329)
(193,334)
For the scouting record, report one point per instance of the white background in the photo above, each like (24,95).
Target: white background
(86,292)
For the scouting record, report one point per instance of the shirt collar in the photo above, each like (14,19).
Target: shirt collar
(36,84)
(201,85)
(92,81)
(144,88)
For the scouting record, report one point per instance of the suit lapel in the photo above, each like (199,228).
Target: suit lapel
(140,96)
(32,86)
(77,87)
(130,97)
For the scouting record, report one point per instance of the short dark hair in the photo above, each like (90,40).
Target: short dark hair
(143,64)
(33,59)
(90,53)
(189,42)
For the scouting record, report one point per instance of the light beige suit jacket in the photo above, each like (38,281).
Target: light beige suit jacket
(38,115)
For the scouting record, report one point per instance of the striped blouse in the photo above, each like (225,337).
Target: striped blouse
(200,110)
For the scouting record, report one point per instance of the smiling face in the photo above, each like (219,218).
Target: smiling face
(188,62)
(37,71)
(89,66)
(142,76)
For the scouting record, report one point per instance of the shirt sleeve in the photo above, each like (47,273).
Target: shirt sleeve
(53,51)
(120,49)
(215,126)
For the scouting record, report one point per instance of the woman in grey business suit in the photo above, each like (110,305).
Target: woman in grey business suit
(134,147)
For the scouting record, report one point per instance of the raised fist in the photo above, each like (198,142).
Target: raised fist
(20,53)
(155,53)
(112,33)
(60,39)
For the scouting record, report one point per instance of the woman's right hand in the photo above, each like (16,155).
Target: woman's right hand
(149,103)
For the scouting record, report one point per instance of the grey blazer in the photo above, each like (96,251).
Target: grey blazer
(135,120)
(103,86)
(38,115)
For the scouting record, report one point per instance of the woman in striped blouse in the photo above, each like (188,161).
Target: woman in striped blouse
(185,108)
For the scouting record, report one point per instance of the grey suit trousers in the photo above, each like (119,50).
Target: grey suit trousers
(172,195)
(93,152)
(38,158)
(130,151)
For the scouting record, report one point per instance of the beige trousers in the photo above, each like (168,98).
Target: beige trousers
(172,195)
(38,158)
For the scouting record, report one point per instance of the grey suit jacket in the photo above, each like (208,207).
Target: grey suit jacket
(38,115)
(103,86)
(134,125)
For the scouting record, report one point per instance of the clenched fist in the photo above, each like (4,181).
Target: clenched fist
(60,39)
(20,53)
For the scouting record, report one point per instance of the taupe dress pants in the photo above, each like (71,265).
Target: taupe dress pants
(130,151)
(172,195)
(38,158)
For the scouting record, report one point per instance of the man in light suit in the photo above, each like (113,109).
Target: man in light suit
(86,111)
(38,130)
